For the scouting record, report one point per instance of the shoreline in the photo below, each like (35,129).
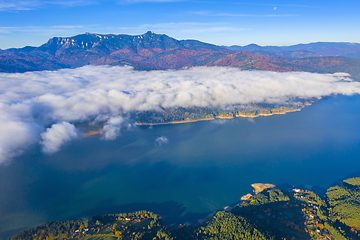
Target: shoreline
(175,122)
(270,114)
(98,132)
(218,117)
(91,133)
(259,187)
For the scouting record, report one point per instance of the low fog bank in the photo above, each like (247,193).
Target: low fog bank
(42,107)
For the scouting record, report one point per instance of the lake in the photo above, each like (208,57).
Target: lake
(201,168)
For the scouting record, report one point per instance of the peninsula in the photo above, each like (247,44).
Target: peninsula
(195,114)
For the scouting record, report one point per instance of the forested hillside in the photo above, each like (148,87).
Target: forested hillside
(270,214)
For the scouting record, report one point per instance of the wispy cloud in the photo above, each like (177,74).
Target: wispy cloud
(219,2)
(260,4)
(161,141)
(41,29)
(73,3)
(146,1)
(18,5)
(185,27)
(22,5)
(212,14)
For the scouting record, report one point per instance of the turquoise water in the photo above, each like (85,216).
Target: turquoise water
(203,167)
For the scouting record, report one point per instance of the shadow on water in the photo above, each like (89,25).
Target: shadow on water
(8,234)
(351,175)
(320,191)
(172,213)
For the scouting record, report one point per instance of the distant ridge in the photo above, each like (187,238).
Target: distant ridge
(151,51)
(316,49)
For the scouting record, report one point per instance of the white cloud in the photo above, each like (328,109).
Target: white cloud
(30,101)
(161,140)
(57,135)
(111,129)
(16,135)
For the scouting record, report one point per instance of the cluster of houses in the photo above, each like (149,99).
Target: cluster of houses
(312,222)
(83,231)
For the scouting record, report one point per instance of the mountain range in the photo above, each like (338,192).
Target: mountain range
(152,51)
(318,49)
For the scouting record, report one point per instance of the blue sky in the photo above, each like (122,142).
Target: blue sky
(264,22)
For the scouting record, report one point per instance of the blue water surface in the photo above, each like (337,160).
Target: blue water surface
(203,167)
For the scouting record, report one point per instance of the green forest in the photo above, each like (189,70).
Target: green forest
(343,208)
(181,114)
(271,214)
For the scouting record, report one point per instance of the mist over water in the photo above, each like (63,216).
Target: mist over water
(42,107)
(185,171)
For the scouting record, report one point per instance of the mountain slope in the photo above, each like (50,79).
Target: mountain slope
(330,65)
(155,51)
(149,50)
